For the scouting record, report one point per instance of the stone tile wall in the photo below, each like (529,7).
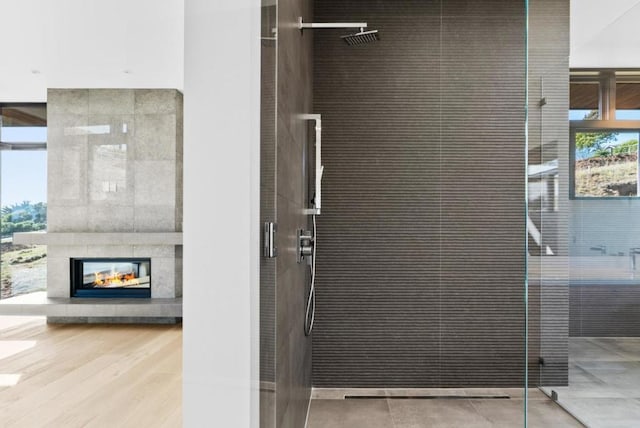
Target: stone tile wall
(115,165)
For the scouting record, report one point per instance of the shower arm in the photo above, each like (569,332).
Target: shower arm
(302,25)
(317,199)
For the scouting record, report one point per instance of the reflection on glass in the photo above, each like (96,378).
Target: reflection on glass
(108,171)
(606,164)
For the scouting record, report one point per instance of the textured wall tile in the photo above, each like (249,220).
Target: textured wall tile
(94,178)
(163,277)
(101,218)
(67,219)
(420,254)
(110,250)
(156,101)
(66,251)
(155,137)
(155,218)
(154,251)
(155,183)
(67,101)
(58,277)
(111,101)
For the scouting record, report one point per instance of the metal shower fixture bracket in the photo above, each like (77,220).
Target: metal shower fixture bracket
(302,25)
(317,200)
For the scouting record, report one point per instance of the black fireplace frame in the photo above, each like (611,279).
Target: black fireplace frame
(77,278)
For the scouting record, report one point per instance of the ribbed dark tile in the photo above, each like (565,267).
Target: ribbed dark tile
(604,310)
(420,252)
(483,8)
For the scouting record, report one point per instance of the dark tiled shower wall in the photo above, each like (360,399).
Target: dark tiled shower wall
(604,310)
(294,96)
(420,243)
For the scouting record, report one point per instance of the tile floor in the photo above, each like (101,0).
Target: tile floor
(604,381)
(329,410)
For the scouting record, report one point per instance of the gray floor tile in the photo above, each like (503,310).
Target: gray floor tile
(510,413)
(359,413)
(606,412)
(544,414)
(438,413)
(604,381)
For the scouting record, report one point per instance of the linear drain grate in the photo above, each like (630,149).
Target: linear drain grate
(428,397)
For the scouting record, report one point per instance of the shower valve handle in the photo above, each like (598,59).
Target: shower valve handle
(304,244)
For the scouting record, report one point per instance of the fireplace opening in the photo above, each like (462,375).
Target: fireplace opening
(111,277)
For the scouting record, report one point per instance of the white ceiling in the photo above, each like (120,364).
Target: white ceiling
(604,33)
(140,43)
(89,44)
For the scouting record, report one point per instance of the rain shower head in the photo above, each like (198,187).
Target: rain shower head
(351,39)
(361,38)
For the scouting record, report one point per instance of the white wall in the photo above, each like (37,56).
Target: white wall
(221,213)
(89,44)
(604,33)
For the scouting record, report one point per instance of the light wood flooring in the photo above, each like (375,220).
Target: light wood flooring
(89,375)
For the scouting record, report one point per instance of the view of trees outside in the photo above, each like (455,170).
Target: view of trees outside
(23,268)
(606,163)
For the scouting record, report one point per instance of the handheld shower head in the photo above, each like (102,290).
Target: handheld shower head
(361,38)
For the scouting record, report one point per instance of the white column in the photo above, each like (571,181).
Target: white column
(221,213)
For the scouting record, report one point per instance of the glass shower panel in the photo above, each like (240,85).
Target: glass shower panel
(583,232)
(548,196)
(268,214)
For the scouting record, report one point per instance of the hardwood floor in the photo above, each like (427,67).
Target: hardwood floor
(89,375)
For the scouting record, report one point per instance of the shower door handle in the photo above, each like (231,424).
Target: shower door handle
(269,240)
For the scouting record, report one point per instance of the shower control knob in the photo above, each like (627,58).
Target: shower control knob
(304,244)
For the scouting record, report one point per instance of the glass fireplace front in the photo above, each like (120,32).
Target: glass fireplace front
(111,277)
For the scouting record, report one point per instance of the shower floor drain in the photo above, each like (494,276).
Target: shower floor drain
(428,397)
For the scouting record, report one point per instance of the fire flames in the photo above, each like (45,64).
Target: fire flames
(115,278)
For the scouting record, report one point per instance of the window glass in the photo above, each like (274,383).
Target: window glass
(606,163)
(23,124)
(628,101)
(584,100)
(23,197)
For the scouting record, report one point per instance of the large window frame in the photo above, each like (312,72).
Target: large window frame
(32,117)
(607,79)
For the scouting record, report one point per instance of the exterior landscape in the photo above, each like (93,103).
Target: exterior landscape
(24,267)
(606,164)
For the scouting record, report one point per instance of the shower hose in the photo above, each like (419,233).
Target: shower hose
(310,311)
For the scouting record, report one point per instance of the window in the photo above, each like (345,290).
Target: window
(23,196)
(604,119)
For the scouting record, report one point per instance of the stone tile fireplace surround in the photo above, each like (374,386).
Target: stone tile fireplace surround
(114,183)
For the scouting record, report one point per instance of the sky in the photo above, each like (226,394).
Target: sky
(23,173)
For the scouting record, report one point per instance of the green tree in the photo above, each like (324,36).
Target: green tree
(595,142)
(629,146)
(23,217)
